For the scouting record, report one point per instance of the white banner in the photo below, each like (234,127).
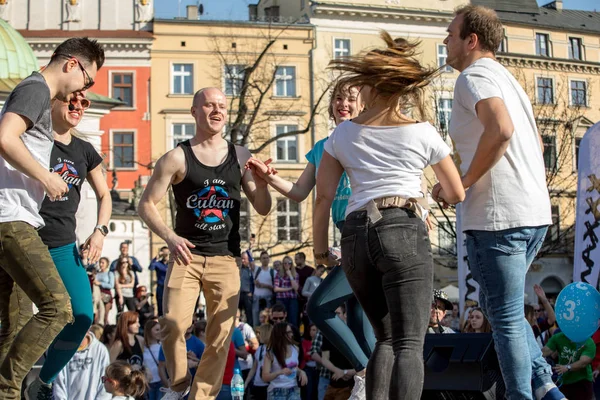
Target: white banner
(587,252)
(468,289)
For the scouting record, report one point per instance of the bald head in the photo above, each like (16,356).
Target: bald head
(209,109)
(202,94)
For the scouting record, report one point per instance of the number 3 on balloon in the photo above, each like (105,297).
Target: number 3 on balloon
(570,304)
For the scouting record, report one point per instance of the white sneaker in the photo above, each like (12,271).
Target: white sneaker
(358,391)
(173,395)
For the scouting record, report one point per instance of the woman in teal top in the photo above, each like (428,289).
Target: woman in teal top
(355,340)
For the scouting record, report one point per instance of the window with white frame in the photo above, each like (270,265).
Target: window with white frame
(577,144)
(234,78)
(341,48)
(503,48)
(182,132)
(442,56)
(244,220)
(285,82)
(549,151)
(444,111)
(447,238)
(288,220)
(123,149)
(578,93)
(545,90)
(122,87)
(287,146)
(542,45)
(575,49)
(182,78)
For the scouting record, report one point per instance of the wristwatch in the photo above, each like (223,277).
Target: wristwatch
(569,367)
(345,372)
(103,229)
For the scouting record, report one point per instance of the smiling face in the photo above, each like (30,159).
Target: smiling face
(63,117)
(210,111)
(345,105)
(156,332)
(134,328)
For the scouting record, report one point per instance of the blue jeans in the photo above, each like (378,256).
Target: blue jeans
(499,261)
(291,307)
(322,389)
(153,392)
(284,394)
(225,393)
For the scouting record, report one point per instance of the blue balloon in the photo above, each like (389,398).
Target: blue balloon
(578,311)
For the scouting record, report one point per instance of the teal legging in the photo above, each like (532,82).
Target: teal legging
(75,279)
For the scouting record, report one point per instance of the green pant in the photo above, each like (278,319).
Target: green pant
(26,262)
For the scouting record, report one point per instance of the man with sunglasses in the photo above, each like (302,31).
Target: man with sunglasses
(26,140)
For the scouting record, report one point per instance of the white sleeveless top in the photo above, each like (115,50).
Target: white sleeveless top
(285,381)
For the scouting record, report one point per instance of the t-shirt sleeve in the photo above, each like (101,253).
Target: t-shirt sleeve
(437,148)
(310,157)
(329,144)
(589,349)
(161,355)
(30,99)
(476,85)
(249,332)
(552,343)
(237,338)
(93,158)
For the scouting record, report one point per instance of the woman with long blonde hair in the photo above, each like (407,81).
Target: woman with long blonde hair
(386,253)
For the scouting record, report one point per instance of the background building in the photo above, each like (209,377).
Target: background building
(264,70)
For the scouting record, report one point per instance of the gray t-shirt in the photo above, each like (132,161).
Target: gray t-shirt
(21,196)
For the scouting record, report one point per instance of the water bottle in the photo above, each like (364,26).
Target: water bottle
(237,385)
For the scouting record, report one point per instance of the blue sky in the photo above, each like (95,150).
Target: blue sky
(238,9)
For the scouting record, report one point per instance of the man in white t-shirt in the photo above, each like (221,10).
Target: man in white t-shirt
(506,211)
(264,281)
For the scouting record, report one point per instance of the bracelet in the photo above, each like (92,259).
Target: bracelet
(324,254)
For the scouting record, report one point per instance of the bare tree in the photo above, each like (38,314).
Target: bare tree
(250,73)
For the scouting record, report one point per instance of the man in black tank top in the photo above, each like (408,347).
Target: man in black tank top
(207,175)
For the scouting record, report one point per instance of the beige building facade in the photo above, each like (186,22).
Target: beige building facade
(275,98)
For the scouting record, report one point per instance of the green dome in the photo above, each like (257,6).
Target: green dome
(17,60)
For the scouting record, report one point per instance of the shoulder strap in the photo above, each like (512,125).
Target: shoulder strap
(257,273)
(152,354)
(272,277)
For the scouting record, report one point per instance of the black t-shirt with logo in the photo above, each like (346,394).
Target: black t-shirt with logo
(72,162)
(208,204)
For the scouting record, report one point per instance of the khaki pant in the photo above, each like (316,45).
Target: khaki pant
(219,278)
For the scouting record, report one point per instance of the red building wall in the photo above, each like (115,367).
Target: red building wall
(135,119)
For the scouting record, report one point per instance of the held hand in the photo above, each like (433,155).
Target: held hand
(539,291)
(338,374)
(286,371)
(349,374)
(54,186)
(180,249)
(192,356)
(92,248)
(331,260)
(438,195)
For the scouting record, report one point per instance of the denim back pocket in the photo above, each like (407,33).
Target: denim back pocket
(348,244)
(398,242)
(512,243)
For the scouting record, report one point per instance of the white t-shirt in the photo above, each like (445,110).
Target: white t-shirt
(151,361)
(285,381)
(248,334)
(264,277)
(513,193)
(384,161)
(260,359)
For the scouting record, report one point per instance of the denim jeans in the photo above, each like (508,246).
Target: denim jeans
(390,269)
(355,340)
(153,392)
(499,261)
(322,388)
(284,394)
(291,307)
